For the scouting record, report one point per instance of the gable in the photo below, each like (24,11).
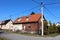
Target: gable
(4,22)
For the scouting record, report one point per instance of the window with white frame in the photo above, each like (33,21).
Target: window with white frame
(19,19)
(27,18)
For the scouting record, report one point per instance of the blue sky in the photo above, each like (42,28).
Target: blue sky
(18,8)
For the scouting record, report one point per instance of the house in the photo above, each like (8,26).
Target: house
(29,24)
(58,24)
(17,25)
(0,25)
(7,24)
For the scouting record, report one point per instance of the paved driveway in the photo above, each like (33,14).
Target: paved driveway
(22,37)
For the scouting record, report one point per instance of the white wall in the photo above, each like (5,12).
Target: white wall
(58,24)
(17,26)
(3,27)
(8,26)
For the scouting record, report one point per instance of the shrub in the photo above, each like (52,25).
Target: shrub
(58,27)
(45,27)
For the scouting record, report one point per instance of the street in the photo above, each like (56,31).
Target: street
(12,36)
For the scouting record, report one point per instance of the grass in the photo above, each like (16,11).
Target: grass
(36,35)
(52,35)
(27,34)
(2,38)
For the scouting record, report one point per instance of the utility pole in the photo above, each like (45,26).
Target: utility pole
(42,19)
(42,27)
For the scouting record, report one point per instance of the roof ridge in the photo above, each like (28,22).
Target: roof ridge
(29,15)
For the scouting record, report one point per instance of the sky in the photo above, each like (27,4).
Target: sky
(18,8)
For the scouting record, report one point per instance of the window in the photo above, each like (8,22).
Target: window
(19,19)
(27,18)
(24,27)
(28,26)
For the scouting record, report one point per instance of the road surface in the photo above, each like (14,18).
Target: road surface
(12,36)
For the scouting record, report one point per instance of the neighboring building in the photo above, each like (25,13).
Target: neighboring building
(7,24)
(29,24)
(0,25)
(58,24)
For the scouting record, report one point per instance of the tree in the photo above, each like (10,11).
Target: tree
(50,27)
(54,28)
(45,27)
(58,27)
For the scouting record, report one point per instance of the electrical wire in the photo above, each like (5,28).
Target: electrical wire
(37,6)
(30,9)
(46,4)
(52,3)
(52,14)
(25,11)
(36,2)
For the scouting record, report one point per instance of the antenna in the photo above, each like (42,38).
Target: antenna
(10,17)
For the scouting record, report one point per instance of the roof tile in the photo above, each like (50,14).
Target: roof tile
(31,18)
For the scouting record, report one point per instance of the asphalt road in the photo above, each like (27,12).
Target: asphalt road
(12,36)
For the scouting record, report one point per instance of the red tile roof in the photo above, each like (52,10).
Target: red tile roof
(30,18)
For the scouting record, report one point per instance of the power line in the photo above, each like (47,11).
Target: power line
(35,1)
(30,9)
(52,13)
(26,10)
(46,4)
(52,3)
(37,6)
(48,9)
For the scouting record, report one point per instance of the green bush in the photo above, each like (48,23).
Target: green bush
(45,27)
(58,27)
(52,28)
